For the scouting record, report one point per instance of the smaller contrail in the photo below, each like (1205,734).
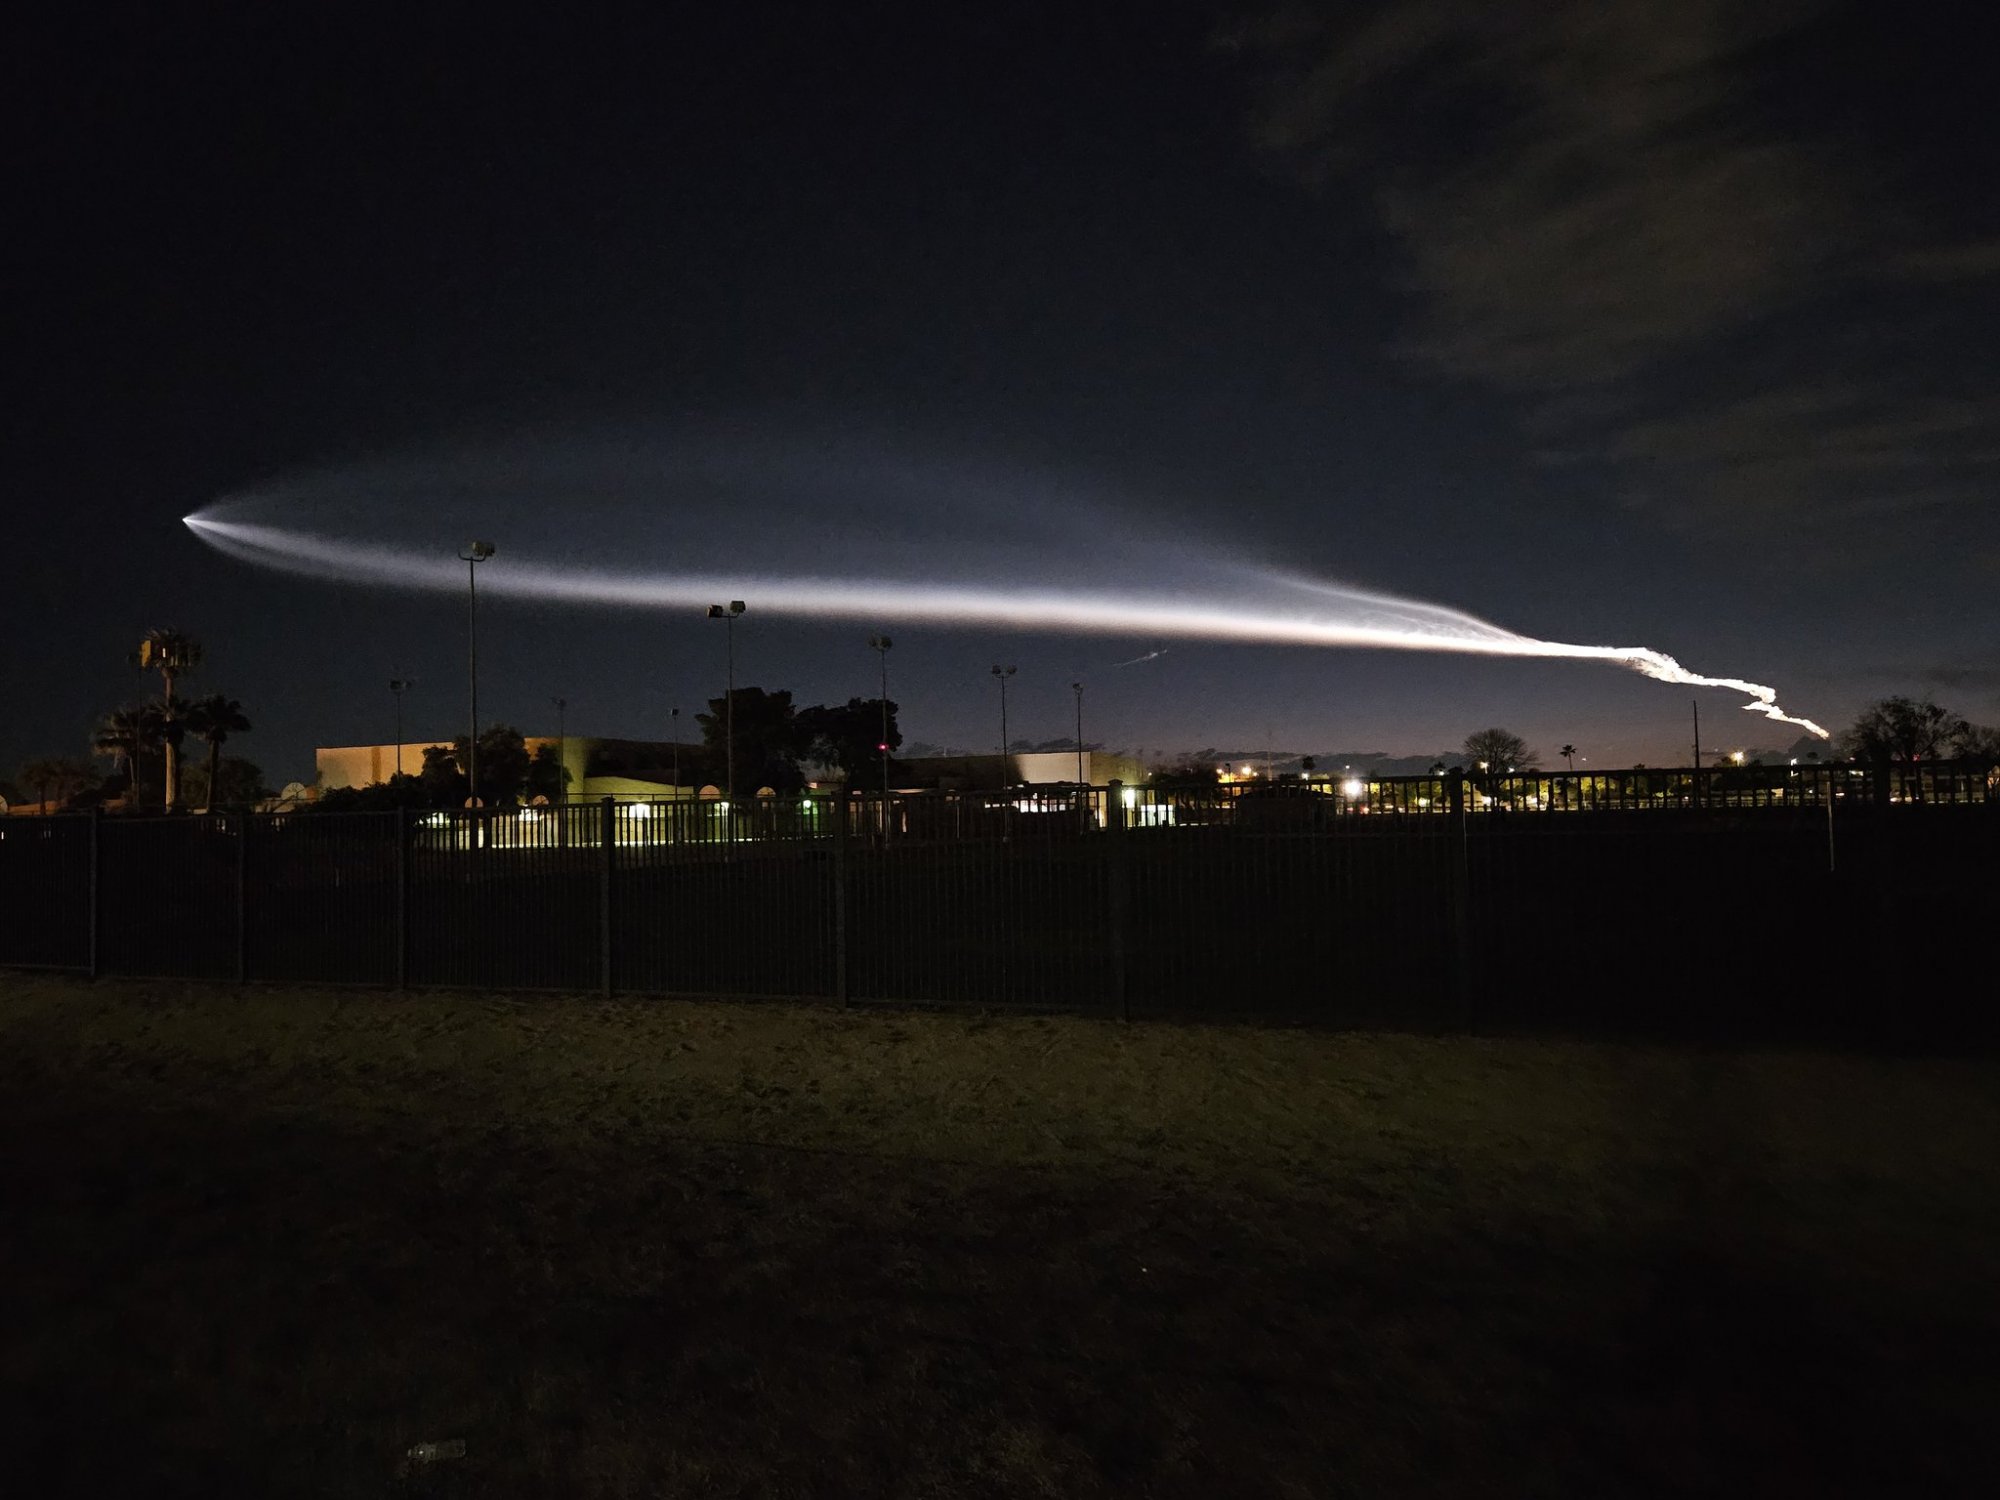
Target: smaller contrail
(1277,610)
(1154,655)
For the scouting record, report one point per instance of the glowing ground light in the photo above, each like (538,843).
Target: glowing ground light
(1267,607)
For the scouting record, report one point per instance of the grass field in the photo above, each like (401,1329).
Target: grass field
(262,1241)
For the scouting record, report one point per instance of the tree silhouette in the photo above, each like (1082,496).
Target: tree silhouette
(56,781)
(767,737)
(1496,751)
(1903,729)
(124,735)
(846,735)
(1568,753)
(213,719)
(171,653)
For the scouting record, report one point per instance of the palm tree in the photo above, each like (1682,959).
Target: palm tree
(1568,753)
(170,653)
(56,781)
(123,734)
(214,719)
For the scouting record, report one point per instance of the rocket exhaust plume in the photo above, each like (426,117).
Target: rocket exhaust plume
(1226,602)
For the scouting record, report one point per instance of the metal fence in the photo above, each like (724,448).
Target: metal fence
(1836,898)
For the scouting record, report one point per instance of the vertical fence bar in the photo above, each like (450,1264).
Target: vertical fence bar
(243,898)
(1118,878)
(93,915)
(402,826)
(1458,864)
(607,874)
(840,964)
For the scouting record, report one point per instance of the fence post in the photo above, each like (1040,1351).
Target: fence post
(1118,882)
(93,915)
(243,899)
(402,817)
(840,979)
(1459,886)
(608,828)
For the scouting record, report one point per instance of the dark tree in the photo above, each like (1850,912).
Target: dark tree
(56,781)
(238,783)
(503,764)
(382,796)
(547,776)
(767,738)
(848,735)
(442,780)
(212,720)
(1501,750)
(1903,729)
(1977,743)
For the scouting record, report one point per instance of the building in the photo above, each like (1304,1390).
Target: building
(1032,768)
(630,769)
(597,767)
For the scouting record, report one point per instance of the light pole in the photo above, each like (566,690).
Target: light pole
(562,752)
(1077,688)
(473,554)
(675,715)
(882,643)
(727,613)
(1001,674)
(399,686)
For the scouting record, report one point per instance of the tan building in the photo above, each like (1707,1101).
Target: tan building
(596,767)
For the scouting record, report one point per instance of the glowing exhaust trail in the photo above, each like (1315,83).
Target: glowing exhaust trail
(1276,610)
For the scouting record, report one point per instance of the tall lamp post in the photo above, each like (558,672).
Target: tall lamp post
(1001,674)
(727,613)
(1077,688)
(399,686)
(675,715)
(473,554)
(881,644)
(562,751)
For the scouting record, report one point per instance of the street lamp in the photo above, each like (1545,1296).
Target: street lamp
(399,686)
(727,613)
(1077,688)
(562,750)
(472,555)
(1001,674)
(675,714)
(881,645)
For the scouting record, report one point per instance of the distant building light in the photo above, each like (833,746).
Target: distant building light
(1353,786)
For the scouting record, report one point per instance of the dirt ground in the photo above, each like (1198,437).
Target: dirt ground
(263,1241)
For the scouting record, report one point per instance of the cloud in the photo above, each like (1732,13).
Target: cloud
(1594,213)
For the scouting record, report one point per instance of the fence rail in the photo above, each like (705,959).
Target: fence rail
(1839,898)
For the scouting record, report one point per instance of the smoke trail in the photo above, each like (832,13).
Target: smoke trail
(1263,607)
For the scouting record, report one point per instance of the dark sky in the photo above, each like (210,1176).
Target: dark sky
(1633,323)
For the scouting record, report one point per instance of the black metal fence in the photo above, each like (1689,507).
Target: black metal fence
(1812,903)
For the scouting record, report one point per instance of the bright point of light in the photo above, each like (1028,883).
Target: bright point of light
(639,810)
(1232,602)
(1353,787)
(1130,796)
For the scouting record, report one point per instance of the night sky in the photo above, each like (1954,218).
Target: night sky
(1664,324)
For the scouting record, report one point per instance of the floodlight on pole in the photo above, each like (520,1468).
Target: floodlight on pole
(562,749)
(881,645)
(1077,688)
(473,554)
(1001,674)
(399,686)
(727,613)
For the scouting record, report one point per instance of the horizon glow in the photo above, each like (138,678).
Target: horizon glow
(1262,606)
